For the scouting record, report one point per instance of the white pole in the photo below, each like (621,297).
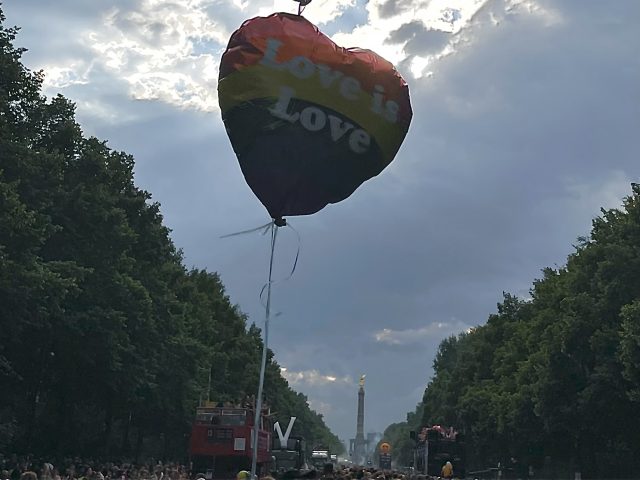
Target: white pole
(258,412)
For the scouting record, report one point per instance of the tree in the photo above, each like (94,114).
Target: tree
(112,339)
(555,375)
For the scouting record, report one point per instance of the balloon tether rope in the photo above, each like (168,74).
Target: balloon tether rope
(272,227)
(301,5)
(258,412)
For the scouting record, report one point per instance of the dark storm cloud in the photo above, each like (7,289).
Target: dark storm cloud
(504,166)
(419,39)
(516,142)
(391,8)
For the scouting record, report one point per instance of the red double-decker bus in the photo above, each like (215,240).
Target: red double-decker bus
(222,440)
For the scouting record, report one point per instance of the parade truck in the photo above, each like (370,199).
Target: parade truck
(320,456)
(221,442)
(292,457)
(436,446)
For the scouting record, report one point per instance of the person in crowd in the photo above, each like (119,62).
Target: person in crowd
(243,475)
(447,470)
(327,471)
(158,473)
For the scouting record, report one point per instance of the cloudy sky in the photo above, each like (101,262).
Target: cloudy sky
(526,122)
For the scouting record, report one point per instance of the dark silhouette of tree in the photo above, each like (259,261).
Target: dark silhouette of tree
(107,339)
(553,380)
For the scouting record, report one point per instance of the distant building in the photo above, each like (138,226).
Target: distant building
(359,445)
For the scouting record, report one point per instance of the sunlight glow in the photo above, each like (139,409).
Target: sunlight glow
(170,52)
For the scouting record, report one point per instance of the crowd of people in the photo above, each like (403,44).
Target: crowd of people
(355,473)
(31,468)
(359,473)
(448,433)
(344,473)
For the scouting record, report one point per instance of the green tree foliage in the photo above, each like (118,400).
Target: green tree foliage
(554,380)
(107,340)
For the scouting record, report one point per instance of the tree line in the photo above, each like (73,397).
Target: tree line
(553,380)
(108,340)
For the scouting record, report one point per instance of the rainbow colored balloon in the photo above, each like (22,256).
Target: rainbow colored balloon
(309,121)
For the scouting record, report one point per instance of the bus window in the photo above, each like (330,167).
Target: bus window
(234,420)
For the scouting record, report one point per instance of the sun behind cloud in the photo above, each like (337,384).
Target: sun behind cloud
(432,331)
(314,378)
(170,52)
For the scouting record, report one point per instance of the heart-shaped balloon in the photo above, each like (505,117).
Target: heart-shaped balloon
(309,121)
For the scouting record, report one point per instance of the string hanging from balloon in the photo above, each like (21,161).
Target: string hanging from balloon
(272,228)
(275,225)
(302,4)
(309,122)
(263,364)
